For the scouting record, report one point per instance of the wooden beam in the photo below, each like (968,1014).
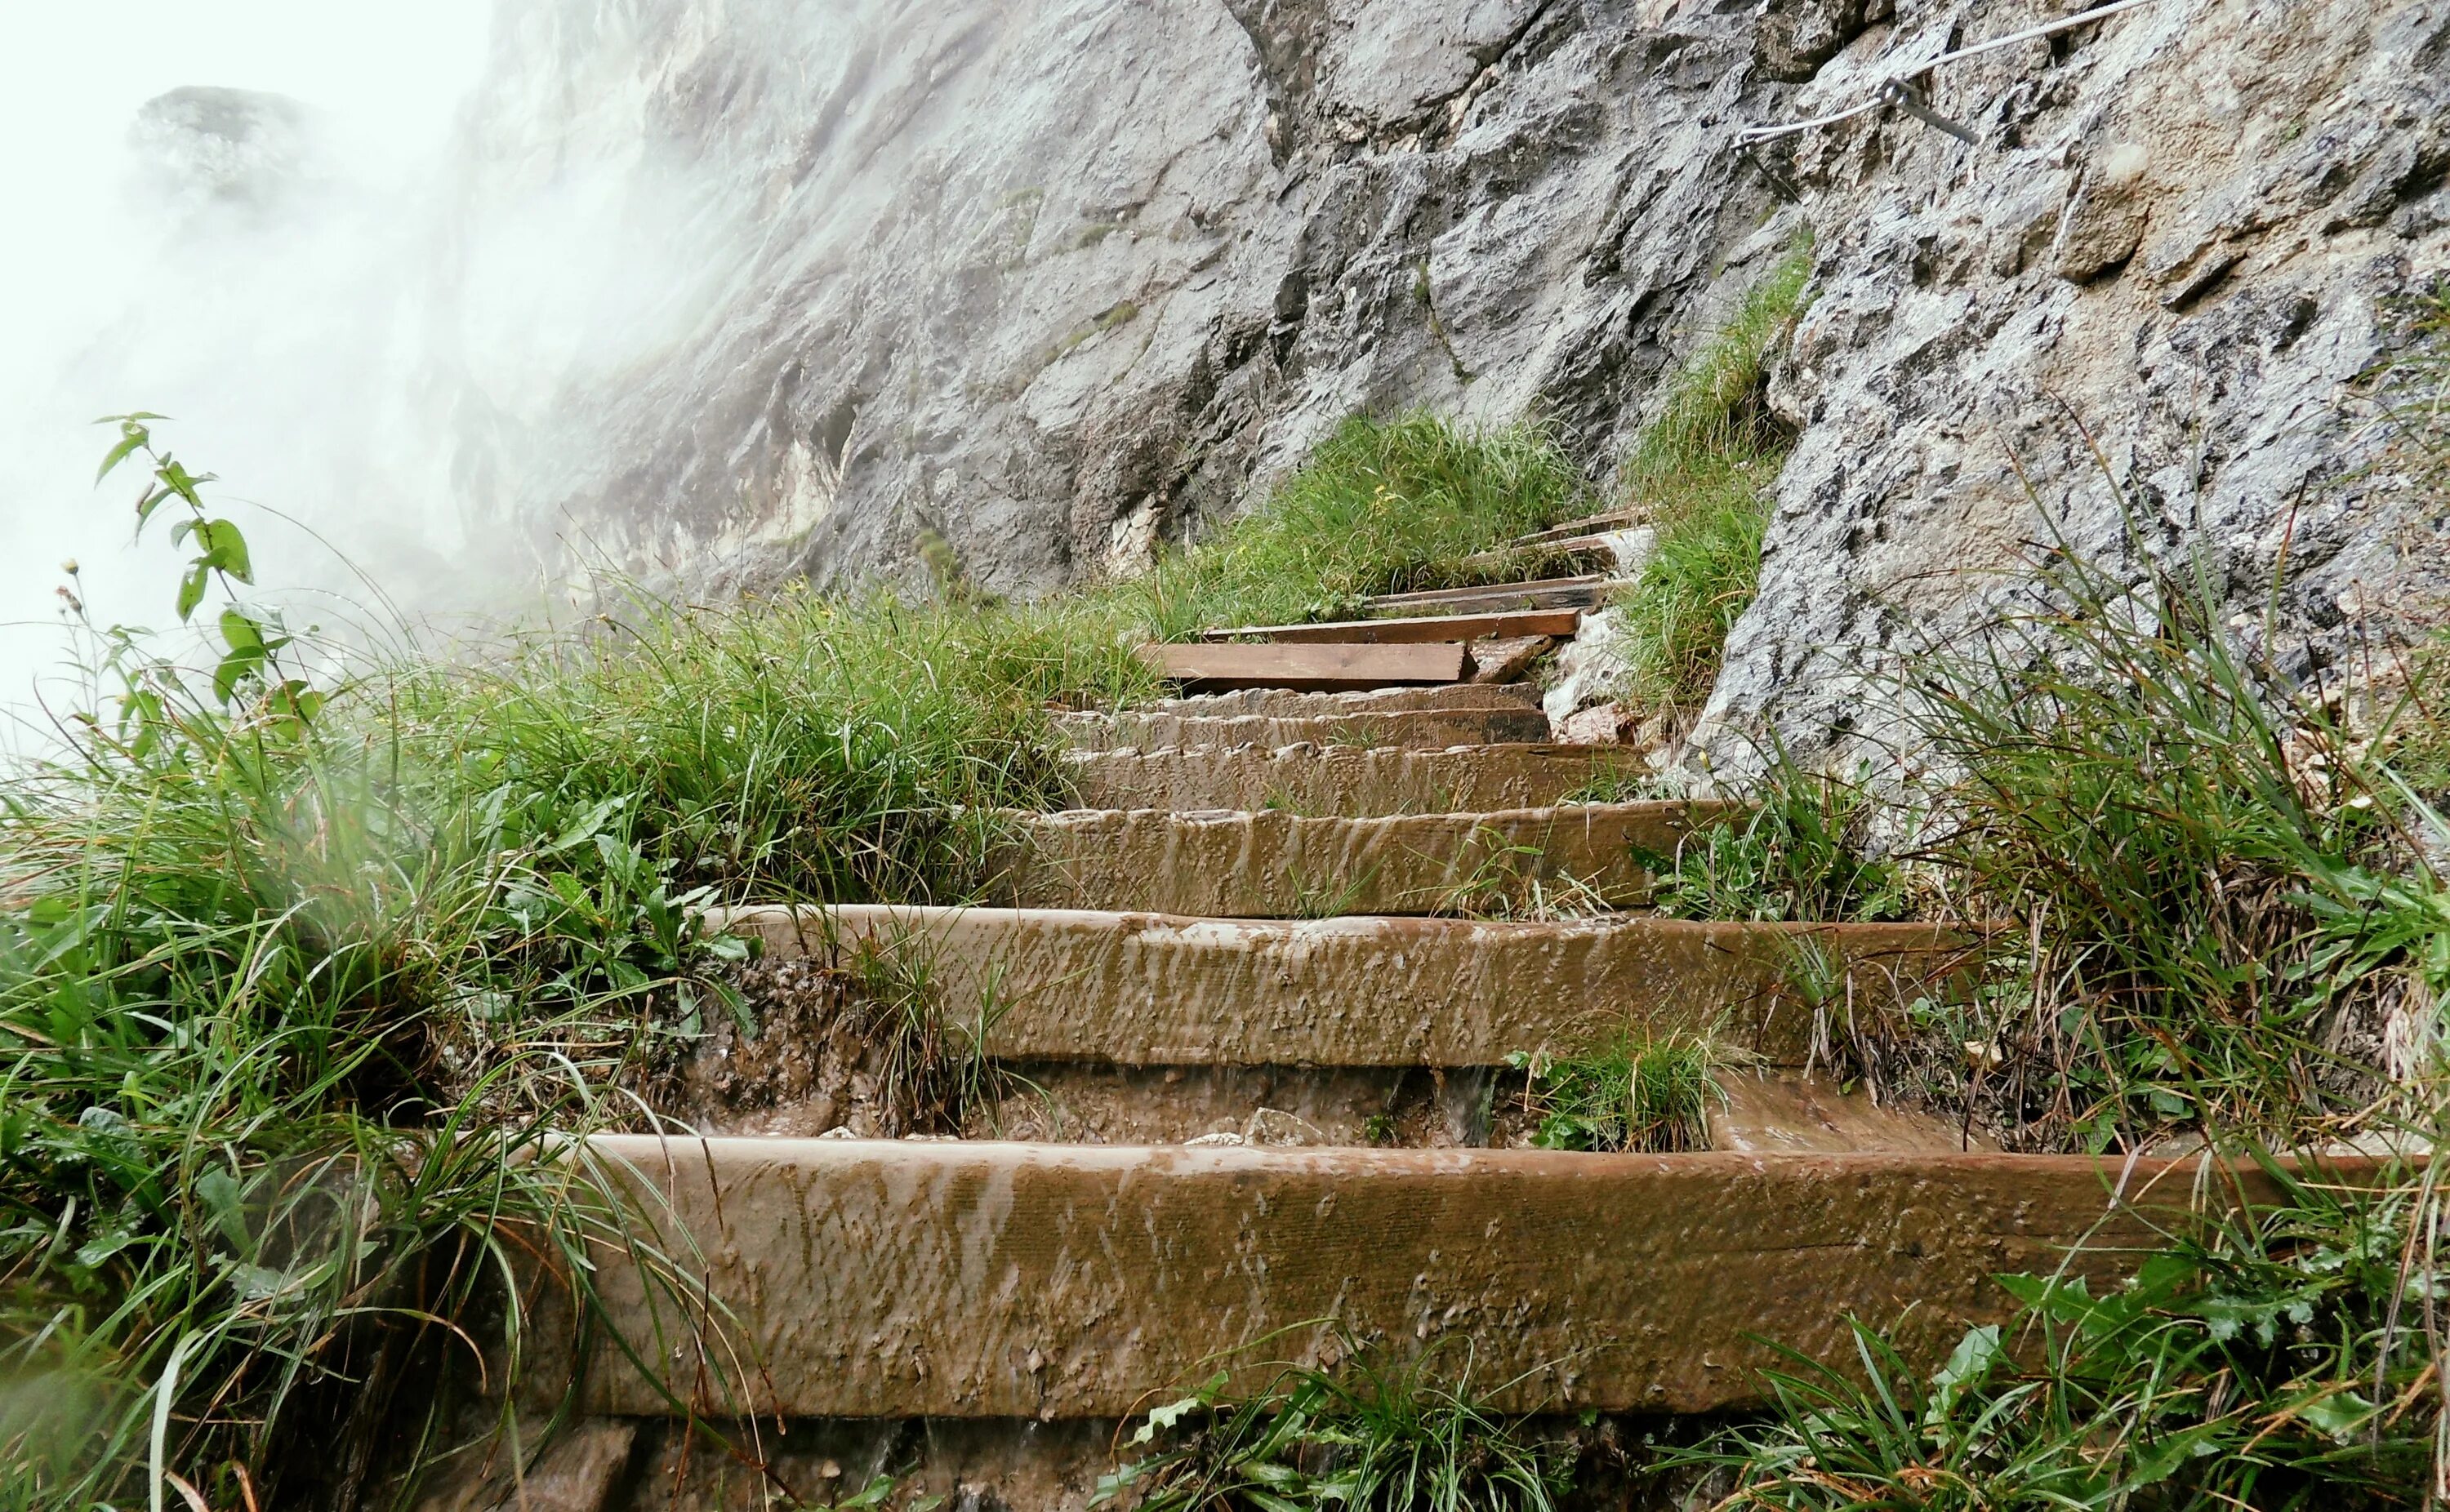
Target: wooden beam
(1503,625)
(1310,668)
(1555,592)
(1588,525)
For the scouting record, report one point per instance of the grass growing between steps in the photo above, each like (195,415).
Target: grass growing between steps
(1381,507)
(1366,1438)
(1650,1095)
(2281,1360)
(1703,469)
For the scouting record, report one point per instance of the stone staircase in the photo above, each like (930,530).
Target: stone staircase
(1243,1027)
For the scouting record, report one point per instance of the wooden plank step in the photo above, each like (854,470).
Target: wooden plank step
(1309,668)
(1555,592)
(1316,780)
(1272,864)
(1589,525)
(869,1279)
(1277,702)
(1505,624)
(1497,722)
(1144,989)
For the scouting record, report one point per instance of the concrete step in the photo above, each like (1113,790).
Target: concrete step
(1140,989)
(1493,720)
(1341,781)
(1272,864)
(871,1279)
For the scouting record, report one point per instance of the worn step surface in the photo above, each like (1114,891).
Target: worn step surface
(1309,668)
(1411,627)
(882,1280)
(1272,864)
(1586,592)
(1322,780)
(1150,990)
(1277,702)
(1495,720)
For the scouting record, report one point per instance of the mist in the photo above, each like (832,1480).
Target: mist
(278,299)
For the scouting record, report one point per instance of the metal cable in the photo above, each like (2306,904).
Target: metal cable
(1898,86)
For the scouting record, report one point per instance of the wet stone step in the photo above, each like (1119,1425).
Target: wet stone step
(1138,989)
(1340,781)
(1274,864)
(999,1280)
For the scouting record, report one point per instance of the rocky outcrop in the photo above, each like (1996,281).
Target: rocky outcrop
(2142,315)
(1057,281)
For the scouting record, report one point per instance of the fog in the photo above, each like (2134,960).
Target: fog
(279,315)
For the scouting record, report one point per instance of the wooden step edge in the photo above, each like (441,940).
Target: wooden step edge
(1540,585)
(1498,625)
(1587,526)
(1273,863)
(1148,989)
(1327,667)
(844,1278)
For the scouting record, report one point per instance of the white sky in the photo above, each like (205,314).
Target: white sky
(237,351)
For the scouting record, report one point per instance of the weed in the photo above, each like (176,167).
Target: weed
(1381,507)
(1701,470)
(1613,783)
(2273,1360)
(1651,1094)
(2209,862)
(1800,857)
(1370,1438)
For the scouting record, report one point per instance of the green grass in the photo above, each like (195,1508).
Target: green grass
(1703,469)
(1381,507)
(2277,1360)
(296,971)
(1800,857)
(1367,1438)
(1646,1095)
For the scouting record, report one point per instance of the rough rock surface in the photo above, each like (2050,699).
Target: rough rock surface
(1059,280)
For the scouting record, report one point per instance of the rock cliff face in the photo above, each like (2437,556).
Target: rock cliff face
(1058,279)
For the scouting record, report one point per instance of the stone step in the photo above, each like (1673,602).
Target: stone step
(1413,629)
(1141,989)
(1317,779)
(873,1279)
(1272,864)
(1495,720)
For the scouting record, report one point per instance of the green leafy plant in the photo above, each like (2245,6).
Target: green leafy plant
(1702,470)
(1651,1095)
(1798,856)
(2275,1359)
(1367,1437)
